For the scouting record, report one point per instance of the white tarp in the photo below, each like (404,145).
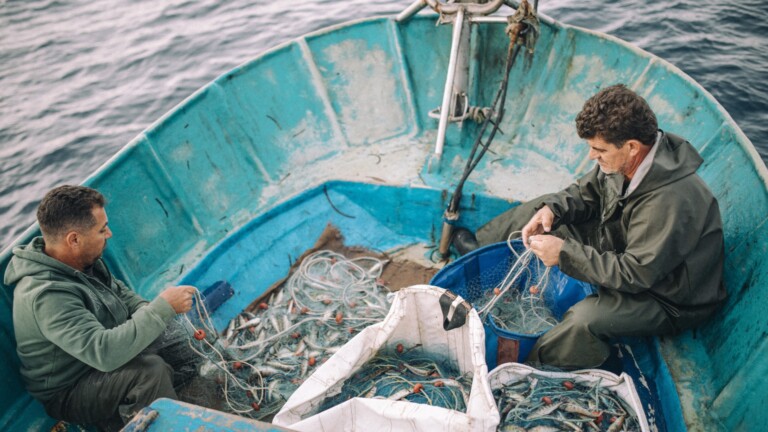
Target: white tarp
(414,318)
(622,385)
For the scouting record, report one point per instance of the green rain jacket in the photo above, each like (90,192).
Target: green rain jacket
(68,323)
(664,238)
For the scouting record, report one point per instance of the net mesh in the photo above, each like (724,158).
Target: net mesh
(542,402)
(263,356)
(409,375)
(514,292)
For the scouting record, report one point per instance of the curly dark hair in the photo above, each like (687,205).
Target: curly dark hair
(617,114)
(68,207)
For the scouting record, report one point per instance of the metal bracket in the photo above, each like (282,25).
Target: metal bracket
(455,102)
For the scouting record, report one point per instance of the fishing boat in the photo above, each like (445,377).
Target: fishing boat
(368,125)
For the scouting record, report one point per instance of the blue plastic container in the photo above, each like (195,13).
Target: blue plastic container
(486,267)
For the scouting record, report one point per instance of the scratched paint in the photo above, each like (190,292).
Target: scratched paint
(313,145)
(368,112)
(394,162)
(534,176)
(664,110)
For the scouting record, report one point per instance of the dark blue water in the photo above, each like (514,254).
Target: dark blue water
(79,79)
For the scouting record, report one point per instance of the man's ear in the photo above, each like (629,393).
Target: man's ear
(72,239)
(635,147)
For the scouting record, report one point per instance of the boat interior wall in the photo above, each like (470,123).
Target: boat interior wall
(733,345)
(348,62)
(425,54)
(341,116)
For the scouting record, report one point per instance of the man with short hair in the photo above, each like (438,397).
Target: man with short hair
(85,340)
(641,226)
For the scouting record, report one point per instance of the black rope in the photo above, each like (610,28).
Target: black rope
(515,5)
(496,108)
(327,197)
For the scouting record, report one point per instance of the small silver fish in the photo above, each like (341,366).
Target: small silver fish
(544,411)
(617,425)
(517,397)
(303,367)
(511,428)
(300,348)
(229,333)
(399,394)
(573,408)
(416,370)
(253,322)
(278,365)
(266,371)
(312,344)
(275,324)
(370,393)
(545,429)
(277,298)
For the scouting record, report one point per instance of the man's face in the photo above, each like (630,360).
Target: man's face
(93,240)
(610,158)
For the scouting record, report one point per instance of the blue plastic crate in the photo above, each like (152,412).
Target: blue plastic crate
(486,268)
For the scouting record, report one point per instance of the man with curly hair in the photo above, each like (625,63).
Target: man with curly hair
(641,226)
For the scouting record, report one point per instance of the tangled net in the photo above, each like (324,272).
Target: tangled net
(407,375)
(518,303)
(262,357)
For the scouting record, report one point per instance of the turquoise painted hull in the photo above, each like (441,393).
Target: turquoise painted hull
(238,180)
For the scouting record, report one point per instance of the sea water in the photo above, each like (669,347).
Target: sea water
(79,78)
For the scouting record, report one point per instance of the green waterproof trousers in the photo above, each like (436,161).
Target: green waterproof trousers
(108,400)
(581,339)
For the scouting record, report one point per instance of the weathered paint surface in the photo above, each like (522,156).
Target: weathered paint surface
(168,415)
(344,112)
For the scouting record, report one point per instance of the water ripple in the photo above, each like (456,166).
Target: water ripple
(79,80)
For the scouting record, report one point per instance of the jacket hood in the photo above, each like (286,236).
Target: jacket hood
(675,158)
(31,260)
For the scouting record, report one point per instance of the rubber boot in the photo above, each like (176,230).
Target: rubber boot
(464,241)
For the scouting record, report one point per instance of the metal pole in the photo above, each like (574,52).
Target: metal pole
(411,10)
(458,24)
(471,8)
(488,20)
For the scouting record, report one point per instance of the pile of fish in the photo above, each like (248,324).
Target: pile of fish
(262,357)
(408,375)
(539,403)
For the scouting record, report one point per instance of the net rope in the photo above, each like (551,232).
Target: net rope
(517,303)
(263,356)
(547,403)
(409,375)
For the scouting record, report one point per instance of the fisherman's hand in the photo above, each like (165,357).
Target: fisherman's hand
(547,248)
(179,297)
(540,223)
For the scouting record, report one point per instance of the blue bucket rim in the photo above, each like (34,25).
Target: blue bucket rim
(478,251)
(487,320)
